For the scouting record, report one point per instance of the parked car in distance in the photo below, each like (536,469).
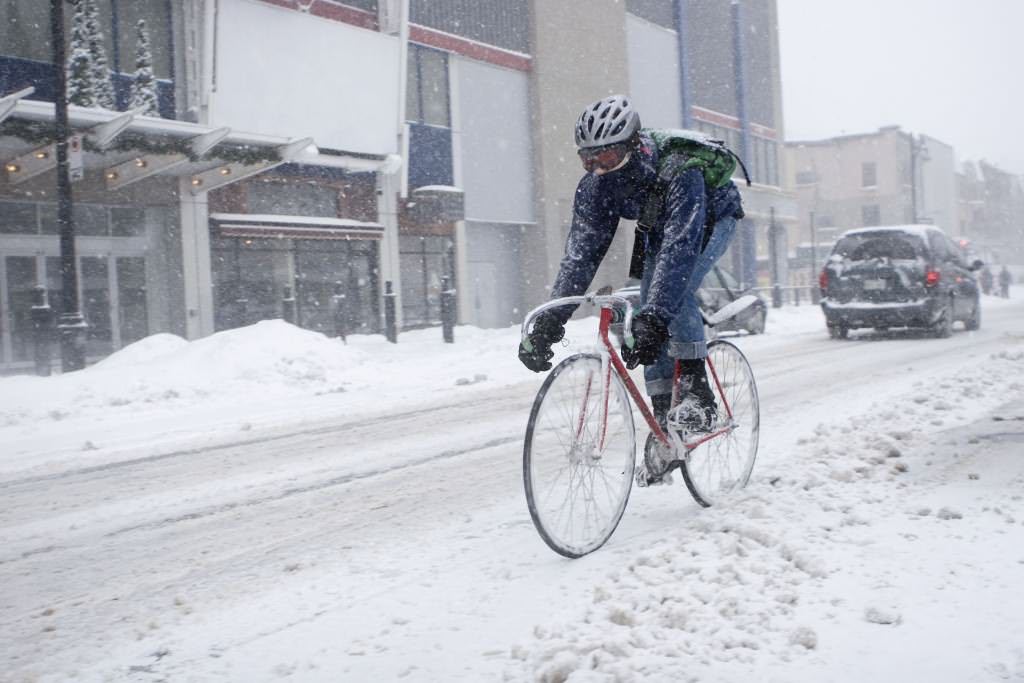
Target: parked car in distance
(899,276)
(718,289)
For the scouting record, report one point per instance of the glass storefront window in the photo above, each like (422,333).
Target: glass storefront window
(292,199)
(18,218)
(424,261)
(21,278)
(250,276)
(90,220)
(127,222)
(131,298)
(48,219)
(95,305)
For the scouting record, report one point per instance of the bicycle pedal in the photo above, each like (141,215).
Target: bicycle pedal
(643,480)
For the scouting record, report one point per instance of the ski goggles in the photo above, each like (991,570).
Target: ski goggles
(603,158)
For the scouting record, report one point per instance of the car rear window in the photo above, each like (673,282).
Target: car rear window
(865,246)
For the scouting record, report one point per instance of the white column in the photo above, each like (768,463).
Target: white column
(388,184)
(462,298)
(195,261)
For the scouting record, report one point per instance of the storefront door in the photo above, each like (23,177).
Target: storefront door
(112,299)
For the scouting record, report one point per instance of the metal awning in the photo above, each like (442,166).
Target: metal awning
(266,226)
(128,147)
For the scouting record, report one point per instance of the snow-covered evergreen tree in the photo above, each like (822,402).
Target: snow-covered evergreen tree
(144,83)
(81,90)
(102,83)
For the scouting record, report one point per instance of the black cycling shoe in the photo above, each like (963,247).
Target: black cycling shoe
(656,464)
(694,416)
(697,411)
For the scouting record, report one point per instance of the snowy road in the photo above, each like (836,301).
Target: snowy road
(398,546)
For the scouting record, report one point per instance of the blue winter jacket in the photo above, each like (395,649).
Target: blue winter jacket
(677,235)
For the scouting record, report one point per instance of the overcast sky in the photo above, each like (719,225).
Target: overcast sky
(952,69)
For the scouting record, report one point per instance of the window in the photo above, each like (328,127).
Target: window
(660,12)
(806,177)
(25,29)
(127,222)
(157,15)
(90,220)
(868,174)
(427,87)
(18,218)
(870,214)
(773,164)
(293,199)
(503,23)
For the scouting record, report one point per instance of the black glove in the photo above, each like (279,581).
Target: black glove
(547,330)
(649,336)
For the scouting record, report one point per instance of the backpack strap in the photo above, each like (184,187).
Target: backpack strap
(652,209)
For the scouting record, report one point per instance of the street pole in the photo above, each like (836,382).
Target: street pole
(815,293)
(913,178)
(71,325)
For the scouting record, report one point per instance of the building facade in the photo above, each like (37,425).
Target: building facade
(991,212)
(322,159)
(697,64)
(889,177)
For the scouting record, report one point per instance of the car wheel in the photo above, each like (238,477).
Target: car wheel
(838,331)
(974,322)
(943,327)
(756,325)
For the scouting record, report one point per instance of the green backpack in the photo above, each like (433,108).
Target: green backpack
(679,150)
(693,149)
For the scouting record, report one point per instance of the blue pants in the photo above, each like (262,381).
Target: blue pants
(687,329)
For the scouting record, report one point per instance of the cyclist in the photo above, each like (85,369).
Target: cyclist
(692,228)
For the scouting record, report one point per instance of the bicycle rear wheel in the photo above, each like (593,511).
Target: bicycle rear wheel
(722,465)
(577,464)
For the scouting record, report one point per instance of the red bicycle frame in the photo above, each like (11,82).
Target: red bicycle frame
(615,361)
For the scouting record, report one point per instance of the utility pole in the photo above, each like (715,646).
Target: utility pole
(918,154)
(815,293)
(913,179)
(70,325)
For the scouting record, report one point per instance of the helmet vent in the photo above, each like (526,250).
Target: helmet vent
(608,121)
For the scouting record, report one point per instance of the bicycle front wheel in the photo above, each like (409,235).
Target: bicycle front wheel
(723,464)
(578,456)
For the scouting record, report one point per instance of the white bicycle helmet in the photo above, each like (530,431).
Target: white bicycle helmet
(606,122)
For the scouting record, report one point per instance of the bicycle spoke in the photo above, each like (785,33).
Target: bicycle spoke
(578,471)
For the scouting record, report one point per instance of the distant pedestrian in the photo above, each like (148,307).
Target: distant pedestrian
(1004,283)
(986,281)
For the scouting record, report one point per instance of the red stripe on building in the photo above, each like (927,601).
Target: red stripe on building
(427,36)
(469,48)
(330,10)
(347,15)
(729,121)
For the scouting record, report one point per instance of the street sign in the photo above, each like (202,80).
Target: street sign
(75,169)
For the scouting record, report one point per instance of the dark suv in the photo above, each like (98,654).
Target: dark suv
(906,276)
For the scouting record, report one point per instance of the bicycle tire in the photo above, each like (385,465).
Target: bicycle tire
(567,458)
(736,451)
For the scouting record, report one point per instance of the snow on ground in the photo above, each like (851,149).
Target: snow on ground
(880,537)
(882,542)
(263,375)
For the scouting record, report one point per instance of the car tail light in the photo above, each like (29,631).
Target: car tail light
(931,278)
(823,280)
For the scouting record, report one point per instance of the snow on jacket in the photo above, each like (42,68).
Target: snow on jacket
(676,235)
